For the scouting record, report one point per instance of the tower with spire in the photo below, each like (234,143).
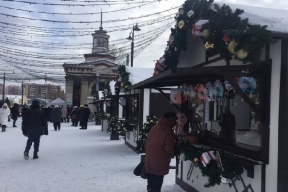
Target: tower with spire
(100,40)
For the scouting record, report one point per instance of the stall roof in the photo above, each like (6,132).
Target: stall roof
(276,20)
(179,76)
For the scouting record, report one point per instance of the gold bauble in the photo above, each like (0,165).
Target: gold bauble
(206,33)
(231,47)
(242,54)
(181,11)
(209,46)
(181,24)
(195,160)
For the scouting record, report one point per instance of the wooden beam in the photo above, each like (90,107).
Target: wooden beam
(243,95)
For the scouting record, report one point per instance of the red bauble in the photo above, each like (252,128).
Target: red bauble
(225,38)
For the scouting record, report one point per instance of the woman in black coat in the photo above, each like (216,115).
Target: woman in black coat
(15,113)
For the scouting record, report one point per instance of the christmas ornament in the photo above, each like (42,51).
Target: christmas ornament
(206,157)
(190,13)
(231,47)
(195,160)
(206,33)
(209,46)
(225,38)
(181,24)
(181,10)
(242,54)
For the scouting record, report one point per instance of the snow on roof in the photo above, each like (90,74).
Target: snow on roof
(275,19)
(139,74)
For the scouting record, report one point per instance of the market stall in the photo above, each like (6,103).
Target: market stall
(229,83)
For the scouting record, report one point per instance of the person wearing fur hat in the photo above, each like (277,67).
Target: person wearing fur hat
(4,114)
(15,113)
(34,125)
(56,117)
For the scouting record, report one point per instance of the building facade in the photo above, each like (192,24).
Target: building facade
(98,67)
(13,90)
(47,92)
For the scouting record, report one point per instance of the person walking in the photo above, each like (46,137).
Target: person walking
(85,116)
(69,113)
(64,114)
(34,125)
(56,115)
(15,113)
(4,114)
(159,151)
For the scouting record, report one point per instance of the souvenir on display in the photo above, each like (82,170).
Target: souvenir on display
(247,84)
(220,90)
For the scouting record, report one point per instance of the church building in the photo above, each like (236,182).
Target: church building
(83,79)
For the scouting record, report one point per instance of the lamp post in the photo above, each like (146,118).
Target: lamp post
(131,38)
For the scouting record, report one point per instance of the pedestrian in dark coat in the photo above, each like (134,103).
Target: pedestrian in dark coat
(56,117)
(34,125)
(15,113)
(74,118)
(85,116)
(79,116)
(159,151)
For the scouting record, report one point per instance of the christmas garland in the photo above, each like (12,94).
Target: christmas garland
(125,126)
(216,172)
(100,116)
(107,89)
(113,125)
(151,120)
(123,79)
(225,33)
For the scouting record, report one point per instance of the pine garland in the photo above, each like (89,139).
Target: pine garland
(125,126)
(123,80)
(113,125)
(250,38)
(231,168)
(100,116)
(151,120)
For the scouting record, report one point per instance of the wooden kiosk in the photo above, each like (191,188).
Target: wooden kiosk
(247,121)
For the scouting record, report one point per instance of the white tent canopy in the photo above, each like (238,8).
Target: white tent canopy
(57,101)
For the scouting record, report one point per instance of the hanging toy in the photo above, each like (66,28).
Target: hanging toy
(201,89)
(220,90)
(247,84)
(192,92)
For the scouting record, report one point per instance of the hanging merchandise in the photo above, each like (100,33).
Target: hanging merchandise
(220,90)
(230,90)
(201,89)
(177,96)
(247,84)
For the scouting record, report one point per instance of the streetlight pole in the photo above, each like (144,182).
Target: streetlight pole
(135,28)
(4,78)
(22,94)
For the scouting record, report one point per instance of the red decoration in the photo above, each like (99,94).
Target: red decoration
(225,38)
(194,30)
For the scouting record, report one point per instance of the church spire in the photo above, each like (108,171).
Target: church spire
(101,22)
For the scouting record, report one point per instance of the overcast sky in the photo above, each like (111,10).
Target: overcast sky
(145,59)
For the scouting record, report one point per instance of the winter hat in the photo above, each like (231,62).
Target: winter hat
(171,115)
(86,105)
(5,105)
(35,104)
(75,107)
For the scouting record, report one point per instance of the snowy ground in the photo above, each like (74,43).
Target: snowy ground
(71,160)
